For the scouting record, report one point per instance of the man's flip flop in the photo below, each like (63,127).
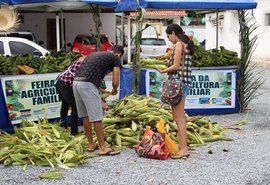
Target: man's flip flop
(110,152)
(92,150)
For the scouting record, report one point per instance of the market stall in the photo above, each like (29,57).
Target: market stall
(124,124)
(51,107)
(202,100)
(213,89)
(33,96)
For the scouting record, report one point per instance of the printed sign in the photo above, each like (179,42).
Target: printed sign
(209,89)
(31,96)
(212,89)
(154,81)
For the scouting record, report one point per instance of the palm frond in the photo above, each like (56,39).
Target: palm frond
(9,19)
(249,81)
(136,64)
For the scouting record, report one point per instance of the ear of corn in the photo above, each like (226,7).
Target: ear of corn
(153,63)
(118,139)
(130,140)
(106,95)
(56,133)
(134,126)
(155,66)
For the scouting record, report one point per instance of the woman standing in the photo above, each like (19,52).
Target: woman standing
(182,52)
(64,88)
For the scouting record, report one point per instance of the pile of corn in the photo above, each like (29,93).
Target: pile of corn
(42,144)
(153,63)
(126,122)
(165,56)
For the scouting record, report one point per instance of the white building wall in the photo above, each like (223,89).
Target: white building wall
(199,31)
(229,33)
(36,23)
(262,52)
(84,23)
(76,23)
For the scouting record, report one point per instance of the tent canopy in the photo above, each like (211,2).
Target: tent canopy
(56,5)
(130,5)
(109,3)
(46,5)
(14,2)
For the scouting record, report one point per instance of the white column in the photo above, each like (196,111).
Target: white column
(128,37)
(57,33)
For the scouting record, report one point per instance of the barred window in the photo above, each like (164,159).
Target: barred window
(267,19)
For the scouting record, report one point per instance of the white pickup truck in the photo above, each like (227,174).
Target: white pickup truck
(13,46)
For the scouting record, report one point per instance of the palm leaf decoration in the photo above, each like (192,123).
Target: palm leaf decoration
(9,19)
(136,64)
(96,15)
(249,81)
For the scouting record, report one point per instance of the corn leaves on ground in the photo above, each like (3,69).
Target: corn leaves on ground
(52,174)
(42,144)
(47,144)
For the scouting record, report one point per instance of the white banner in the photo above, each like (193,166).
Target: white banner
(209,89)
(31,97)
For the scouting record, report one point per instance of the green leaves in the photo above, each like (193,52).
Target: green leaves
(243,121)
(248,81)
(55,61)
(136,60)
(42,144)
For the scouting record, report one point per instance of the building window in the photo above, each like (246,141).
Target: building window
(267,19)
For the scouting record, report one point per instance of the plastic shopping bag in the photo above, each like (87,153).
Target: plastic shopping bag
(172,146)
(153,145)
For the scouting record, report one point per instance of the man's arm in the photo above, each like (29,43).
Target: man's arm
(115,80)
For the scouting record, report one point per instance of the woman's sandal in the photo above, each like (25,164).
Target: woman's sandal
(180,156)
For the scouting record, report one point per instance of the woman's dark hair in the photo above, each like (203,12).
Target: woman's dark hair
(181,35)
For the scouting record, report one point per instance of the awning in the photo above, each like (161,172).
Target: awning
(109,3)
(14,2)
(64,3)
(129,5)
(161,13)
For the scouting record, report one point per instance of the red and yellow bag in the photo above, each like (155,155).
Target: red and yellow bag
(172,146)
(153,146)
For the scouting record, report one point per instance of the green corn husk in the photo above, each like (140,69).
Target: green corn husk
(53,174)
(42,144)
